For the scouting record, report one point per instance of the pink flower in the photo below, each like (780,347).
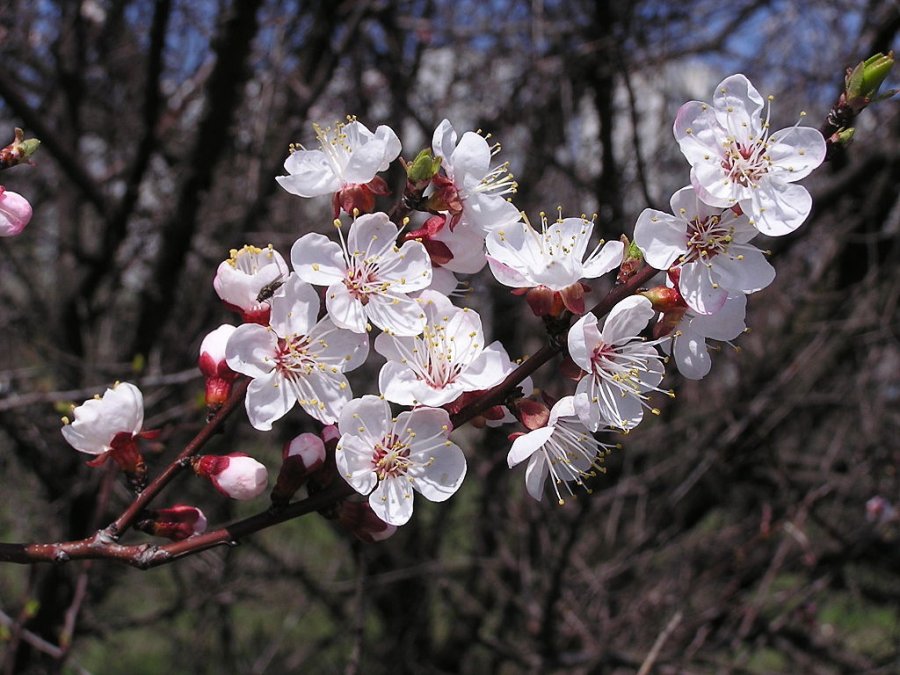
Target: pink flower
(15,213)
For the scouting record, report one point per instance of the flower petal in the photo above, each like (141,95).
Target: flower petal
(310,174)
(605,260)
(776,208)
(251,350)
(527,444)
(399,314)
(795,152)
(536,475)
(661,236)
(627,318)
(267,400)
(318,260)
(346,310)
(392,501)
(691,355)
(295,307)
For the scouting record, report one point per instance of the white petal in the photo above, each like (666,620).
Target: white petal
(535,475)
(472,156)
(661,236)
(268,399)
(488,369)
(583,337)
(398,383)
(371,233)
(251,350)
(738,105)
(691,355)
(748,274)
(295,308)
(777,208)
(627,318)
(727,323)
(311,174)
(586,408)
(400,315)
(368,417)
(336,347)
(344,309)
(698,290)
(795,152)
(392,501)
(410,269)
(525,446)
(508,276)
(698,133)
(326,394)
(318,260)
(353,458)
(605,260)
(443,141)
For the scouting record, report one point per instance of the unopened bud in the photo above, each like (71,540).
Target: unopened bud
(532,414)
(302,457)
(865,79)
(423,168)
(15,213)
(235,475)
(359,519)
(176,522)
(219,377)
(19,151)
(664,299)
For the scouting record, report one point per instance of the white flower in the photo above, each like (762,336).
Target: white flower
(449,359)
(368,277)
(388,458)
(247,280)
(564,450)
(295,359)
(347,162)
(474,191)
(620,367)
(99,421)
(554,259)
(735,160)
(689,339)
(710,246)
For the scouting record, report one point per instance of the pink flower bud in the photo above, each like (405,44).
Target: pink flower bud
(236,475)
(219,377)
(176,522)
(248,279)
(359,519)
(302,456)
(15,213)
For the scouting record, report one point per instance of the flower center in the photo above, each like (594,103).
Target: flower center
(360,279)
(707,238)
(746,164)
(292,356)
(390,457)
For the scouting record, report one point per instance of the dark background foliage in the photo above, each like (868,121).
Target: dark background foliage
(729,534)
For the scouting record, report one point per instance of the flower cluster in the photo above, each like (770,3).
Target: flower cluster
(306,326)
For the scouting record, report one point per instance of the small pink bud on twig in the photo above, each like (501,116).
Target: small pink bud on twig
(302,456)
(15,213)
(219,377)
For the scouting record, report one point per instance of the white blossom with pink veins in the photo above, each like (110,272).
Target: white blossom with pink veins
(368,277)
(709,244)
(689,339)
(99,420)
(349,155)
(447,360)
(521,257)
(249,278)
(621,368)
(482,189)
(736,160)
(387,458)
(564,450)
(295,359)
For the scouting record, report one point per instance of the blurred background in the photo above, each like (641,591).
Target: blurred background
(730,534)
